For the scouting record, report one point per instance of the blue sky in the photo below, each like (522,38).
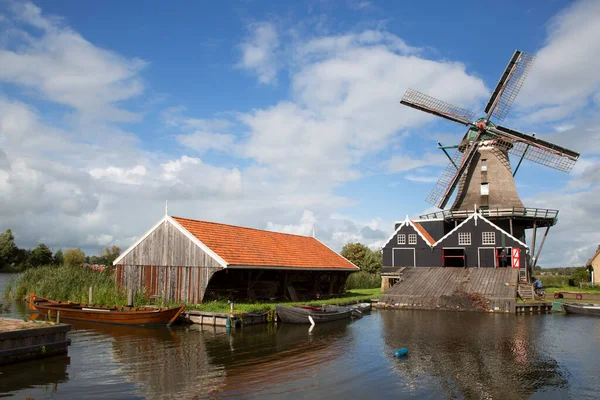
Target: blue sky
(277,115)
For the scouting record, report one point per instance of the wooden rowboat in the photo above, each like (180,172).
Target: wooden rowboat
(587,309)
(108,315)
(300,315)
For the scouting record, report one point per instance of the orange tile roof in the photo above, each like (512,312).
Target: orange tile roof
(254,247)
(423,232)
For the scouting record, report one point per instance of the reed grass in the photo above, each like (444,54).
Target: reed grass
(363,280)
(69,283)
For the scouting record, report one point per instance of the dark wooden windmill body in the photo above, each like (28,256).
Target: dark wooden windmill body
(480,171)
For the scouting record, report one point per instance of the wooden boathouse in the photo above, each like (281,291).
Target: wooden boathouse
(188,260)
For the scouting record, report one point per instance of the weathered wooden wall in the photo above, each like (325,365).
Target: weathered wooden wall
(168,264)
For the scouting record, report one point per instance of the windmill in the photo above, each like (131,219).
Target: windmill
(480,166)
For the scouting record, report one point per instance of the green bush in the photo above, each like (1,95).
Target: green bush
(363,280)
(580,275)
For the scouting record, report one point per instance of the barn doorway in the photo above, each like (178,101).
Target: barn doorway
(453,257)
(402,257)
(504,257)
(487,257)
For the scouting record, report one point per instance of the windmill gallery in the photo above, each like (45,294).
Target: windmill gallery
(487,223)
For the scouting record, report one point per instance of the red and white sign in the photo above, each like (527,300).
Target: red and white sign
(516,258)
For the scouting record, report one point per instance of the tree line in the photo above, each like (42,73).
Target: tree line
(13,258)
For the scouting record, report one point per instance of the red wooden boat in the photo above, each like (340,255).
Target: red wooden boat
(108,315)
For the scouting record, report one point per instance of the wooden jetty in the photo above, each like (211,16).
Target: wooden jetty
(220,319)
(454,289)
(534,307)
(27,340)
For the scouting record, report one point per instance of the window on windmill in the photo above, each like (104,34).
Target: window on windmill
(483,164)
(464,238)
(489,238)
(402,239)
(485,189)
(412,238)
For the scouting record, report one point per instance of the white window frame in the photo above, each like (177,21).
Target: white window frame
(484,164)
(412,238)
(464,238)
(485,189)
(401,238)
(486,236)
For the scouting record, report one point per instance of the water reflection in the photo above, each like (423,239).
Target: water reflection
(208,361)
(47,374)
(471,355)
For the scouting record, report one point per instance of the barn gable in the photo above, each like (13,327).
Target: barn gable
(477,224)
(168,243)
(408,246)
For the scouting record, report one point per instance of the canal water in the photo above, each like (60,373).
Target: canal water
(451,355)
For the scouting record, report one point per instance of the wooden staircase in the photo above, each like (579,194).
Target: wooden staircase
(525,291)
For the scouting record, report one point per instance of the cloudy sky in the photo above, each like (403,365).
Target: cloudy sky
(281,117)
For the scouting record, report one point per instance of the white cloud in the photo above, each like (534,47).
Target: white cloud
(259,52)
(304,228)
(421,178)
(63,67)
(402,163)
(566,67)
(132,176)
(203,141)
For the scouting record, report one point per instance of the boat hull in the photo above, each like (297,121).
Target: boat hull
(107,315)
(583,309)
(296,315)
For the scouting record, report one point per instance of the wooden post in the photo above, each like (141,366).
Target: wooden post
(58,317)
(511,227)
(90,295)
(249,285)
(331,283)
(540,249)
(231,309)
(533,241)
(130,297)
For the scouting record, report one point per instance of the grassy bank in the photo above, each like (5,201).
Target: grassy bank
(73,283)
(351,296)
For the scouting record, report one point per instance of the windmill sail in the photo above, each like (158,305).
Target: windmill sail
(509,85)
(537,150)
(431,105)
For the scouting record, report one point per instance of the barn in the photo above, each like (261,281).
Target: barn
(475,242)
(188,260)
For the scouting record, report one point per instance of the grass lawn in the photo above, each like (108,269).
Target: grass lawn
(584,289)
(351,296)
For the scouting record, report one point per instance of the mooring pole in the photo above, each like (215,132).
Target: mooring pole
(130,297)
(90,295)
(541,245)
